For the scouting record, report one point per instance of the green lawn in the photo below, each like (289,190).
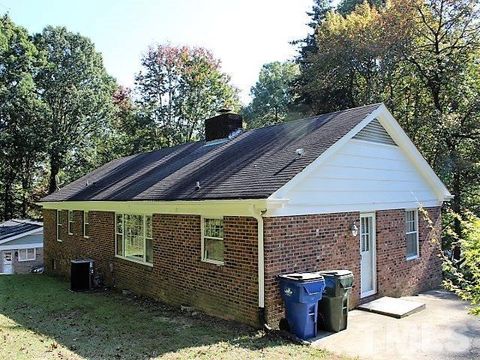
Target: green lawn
(41,319)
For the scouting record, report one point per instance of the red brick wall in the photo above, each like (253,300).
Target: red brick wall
(178,275)
(397,276)
(292,244)
(99,246)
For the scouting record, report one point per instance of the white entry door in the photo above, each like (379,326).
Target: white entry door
(368,270)
(7,262)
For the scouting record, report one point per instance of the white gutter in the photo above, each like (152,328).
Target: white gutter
(258,214)
(261,259)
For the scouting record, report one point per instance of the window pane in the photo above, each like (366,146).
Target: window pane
(87,229)
(214,249)
(213,228)
(149,246)
(31,254)
(134,236)
(119,245)
(411,224)
(134,247)
(412,244)
(119,224)
(148,225)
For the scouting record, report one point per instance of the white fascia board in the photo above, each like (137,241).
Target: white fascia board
(18,236)
(408,147)
(241,207)
(283,191)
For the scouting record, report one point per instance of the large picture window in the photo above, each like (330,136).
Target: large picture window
(212,241)
(26,254)
(411,226)
(133,237)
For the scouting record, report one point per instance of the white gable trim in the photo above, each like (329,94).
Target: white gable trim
(400,138)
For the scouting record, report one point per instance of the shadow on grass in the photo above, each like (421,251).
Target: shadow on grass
(110,325)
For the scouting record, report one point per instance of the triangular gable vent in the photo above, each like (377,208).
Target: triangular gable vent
(375,132)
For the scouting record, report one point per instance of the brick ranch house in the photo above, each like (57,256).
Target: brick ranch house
(212,223)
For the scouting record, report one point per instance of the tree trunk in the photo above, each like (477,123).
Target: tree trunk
(457,200)
(7,202)
(25,190)
(456,188)
(54,169)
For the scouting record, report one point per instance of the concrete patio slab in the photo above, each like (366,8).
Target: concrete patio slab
(444,330)
(394,307)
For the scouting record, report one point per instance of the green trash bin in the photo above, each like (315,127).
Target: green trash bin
(333,307)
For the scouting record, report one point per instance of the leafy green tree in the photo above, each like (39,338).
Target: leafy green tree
(345,7)
(307,47)
(272,98)
(21,118)
(177,88)
(463,276)
(77,92)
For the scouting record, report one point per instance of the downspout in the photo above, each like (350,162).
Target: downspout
(261,269)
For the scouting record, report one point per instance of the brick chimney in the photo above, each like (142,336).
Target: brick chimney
(222,125)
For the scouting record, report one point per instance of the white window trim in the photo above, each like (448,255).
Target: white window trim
(59,224)
(202,229)
(26,253)
(417,231)
(86,216)
(138,261)
(70,220)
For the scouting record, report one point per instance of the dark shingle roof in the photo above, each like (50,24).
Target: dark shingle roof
(16,227)
(253,165)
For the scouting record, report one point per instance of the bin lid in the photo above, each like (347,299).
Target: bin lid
(302,276)
(336,273)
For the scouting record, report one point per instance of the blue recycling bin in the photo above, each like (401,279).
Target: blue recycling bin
(301,293)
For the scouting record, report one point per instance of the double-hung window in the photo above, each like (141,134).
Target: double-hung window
(70,222)
(411,228)
(86,225)
(133,237)
(212,241)
(59,225)
(26,254)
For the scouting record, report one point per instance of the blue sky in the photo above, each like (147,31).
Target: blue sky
(243,34)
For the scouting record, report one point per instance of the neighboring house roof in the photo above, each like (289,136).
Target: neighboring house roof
(28,241)
(251,166)
(12,229)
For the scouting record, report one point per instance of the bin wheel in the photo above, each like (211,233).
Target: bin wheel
(283,325)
